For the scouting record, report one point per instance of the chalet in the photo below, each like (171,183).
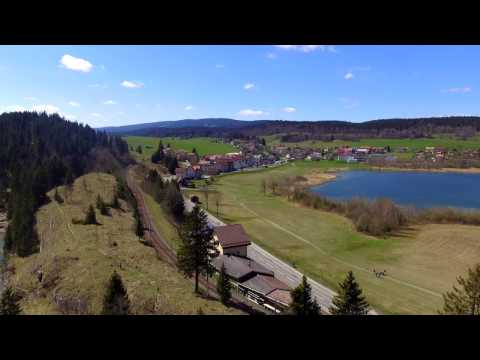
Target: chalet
(239,268)
(267,291)
(232,239)
(181,155)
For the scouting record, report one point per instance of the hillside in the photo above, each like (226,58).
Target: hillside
(76,261)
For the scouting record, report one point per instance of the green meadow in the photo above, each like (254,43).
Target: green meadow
(204,146)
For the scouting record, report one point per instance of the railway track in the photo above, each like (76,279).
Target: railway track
(164,250)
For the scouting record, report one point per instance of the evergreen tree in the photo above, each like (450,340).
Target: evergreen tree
(198,246)
(224,286)
(175,202)
(90,218)
(302,301)
(139,228)
(465,299)
(9,303)
(101,206)
(116,300)
(349,300)
(139,149)
(57,197)
(115,202)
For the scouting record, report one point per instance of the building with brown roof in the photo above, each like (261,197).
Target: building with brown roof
(232,239)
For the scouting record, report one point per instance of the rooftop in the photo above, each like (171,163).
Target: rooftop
(231,235)
(239,267)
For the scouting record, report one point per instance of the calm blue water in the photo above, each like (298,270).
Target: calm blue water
(420,189)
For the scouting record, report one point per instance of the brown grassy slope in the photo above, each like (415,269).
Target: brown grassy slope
(78,260)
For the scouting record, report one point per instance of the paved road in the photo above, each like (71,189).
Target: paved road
(282,270)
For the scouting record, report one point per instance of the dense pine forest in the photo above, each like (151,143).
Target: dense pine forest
(38,152)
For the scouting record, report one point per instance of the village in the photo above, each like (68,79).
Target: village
(254,154)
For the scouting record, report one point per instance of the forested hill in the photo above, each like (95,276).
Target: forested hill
(38,152)
(302,130)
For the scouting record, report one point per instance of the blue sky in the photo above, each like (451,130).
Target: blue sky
(119,85)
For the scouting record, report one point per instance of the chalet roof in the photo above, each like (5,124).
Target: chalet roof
(265,284)
(231,235)
(238,267)
(281,296)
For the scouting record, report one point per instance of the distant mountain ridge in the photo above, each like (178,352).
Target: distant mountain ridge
(464,126)
(225,123)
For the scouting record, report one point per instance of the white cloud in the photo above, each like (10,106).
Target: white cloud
(289,109)
(271,55)
(110,102)
(189,107)
(348,76)
(465,89)
(131,84)
(249,86)
(250,112)
(12,108)
(219,66)
(76,64)
(69,116)
(97,115)
(73,103)
(308,48)
(49,109)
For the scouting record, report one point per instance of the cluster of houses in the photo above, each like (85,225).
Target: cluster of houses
(191,166)
(248,277)
(439,154)
(344,153)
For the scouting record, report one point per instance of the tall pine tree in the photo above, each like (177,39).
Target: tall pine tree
(198,246)
(116,300)
(464,299)
(224,286)
(9,303)
(349,300)
(302,302)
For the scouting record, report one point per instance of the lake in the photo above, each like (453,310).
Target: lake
(421,189)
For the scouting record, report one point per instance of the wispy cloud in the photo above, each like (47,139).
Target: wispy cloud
(49,109)
(308,48)
(73,103)
(249,86)
(219,66)
(96,115)
(104,86)
(271,55)
(289,109)
(251,112)
(31,98)
(189,107)
(350,103)
(76,64)
(12,108)
(109,102)
(132,84)
(348,76)
(462,90)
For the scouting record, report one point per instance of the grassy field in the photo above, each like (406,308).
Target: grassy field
(413,145)
(78,260)
(204,146)
(421,263)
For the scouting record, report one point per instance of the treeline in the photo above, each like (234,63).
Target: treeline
(166,193)
(38,152)
(460,126)
(379,217)
(168,160)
